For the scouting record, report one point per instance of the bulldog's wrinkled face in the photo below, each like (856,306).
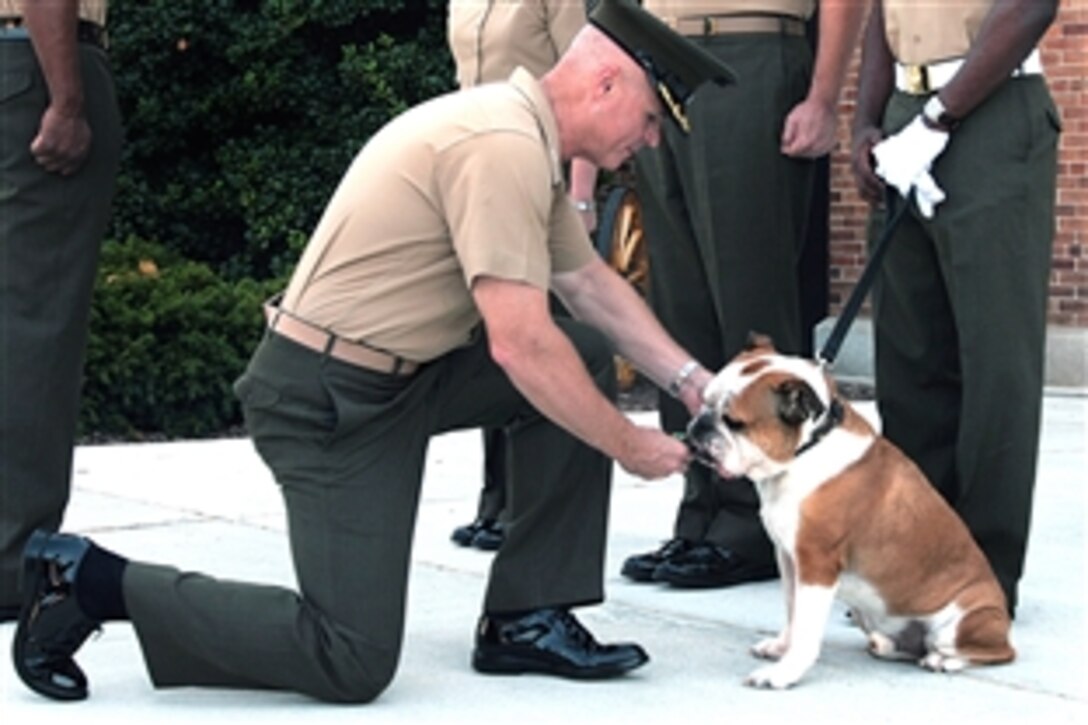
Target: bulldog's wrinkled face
(758,410)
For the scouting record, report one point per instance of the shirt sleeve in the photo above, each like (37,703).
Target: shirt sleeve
(565,19)
(496,192)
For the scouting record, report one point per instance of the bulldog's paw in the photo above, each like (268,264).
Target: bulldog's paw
(883,646)
(771,648)
(774,677)
(937,662)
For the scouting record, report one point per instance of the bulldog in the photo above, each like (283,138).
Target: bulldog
(850,516)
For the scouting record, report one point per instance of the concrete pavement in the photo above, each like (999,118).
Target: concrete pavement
(212,506)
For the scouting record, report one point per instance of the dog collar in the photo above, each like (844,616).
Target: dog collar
(831,419)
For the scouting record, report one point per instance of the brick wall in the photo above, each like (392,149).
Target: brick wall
(1065,58)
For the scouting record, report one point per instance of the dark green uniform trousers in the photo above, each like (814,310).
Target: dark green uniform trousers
(51,230)
(347,447)
(725,217)
(960,316)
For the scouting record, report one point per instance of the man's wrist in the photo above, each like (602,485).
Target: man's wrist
(682,377)
(584,205)
(936,117)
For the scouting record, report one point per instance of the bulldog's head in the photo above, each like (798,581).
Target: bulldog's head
(761,411)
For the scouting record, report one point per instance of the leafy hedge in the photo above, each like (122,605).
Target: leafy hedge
(170,336)
(240,117)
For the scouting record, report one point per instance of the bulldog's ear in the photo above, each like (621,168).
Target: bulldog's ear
(758,341)
(797,402)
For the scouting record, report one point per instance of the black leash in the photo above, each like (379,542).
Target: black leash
(857,295)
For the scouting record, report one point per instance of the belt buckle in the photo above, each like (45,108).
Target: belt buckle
(917,80)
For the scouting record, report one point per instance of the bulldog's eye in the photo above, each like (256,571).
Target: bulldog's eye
(732,423)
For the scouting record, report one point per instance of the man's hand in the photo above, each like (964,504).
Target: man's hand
(809,130)
(63,142)
(64,136)
(905,160)
(649,453)
(869,185)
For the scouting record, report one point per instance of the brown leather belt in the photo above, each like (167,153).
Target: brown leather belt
(320,340)
(708,25)
(12,28)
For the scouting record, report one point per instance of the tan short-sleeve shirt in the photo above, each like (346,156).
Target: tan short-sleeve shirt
(490,38)
(670,11)
(923,31)
(465,185)
(92,10)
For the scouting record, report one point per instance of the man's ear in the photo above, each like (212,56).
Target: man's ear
(604,80)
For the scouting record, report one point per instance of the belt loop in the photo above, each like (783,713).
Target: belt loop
(273,304)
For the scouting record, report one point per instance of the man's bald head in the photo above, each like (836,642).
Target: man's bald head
(604,102)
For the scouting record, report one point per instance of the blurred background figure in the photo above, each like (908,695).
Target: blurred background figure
(60,145)
(488,40)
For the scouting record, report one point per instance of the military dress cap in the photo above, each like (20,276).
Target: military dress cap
(676,66)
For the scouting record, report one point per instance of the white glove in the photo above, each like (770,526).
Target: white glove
(927,194)
(905,159)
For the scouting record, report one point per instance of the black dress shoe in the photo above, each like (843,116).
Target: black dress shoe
(489,536)
(463,535)
(552,642)
(706,565)
(485,534)
(641,567)
(51,624)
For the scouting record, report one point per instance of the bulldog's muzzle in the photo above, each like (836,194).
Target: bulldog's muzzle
(702,431)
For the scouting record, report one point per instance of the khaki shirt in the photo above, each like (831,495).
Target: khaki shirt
(490,38)
(669,11)
(923,31)
(92,10)
(464,185)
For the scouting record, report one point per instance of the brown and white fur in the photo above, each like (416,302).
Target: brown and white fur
(850,516)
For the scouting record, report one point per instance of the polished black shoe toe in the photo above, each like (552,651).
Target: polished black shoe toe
(463,535)
(484,534)
(489,537)
(51,626)
(706,565)
(642,567)
(552,642)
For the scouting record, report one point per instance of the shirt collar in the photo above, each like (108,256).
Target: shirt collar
(530,89)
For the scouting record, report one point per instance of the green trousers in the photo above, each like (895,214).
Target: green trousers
(725,216)
(347,448)
(960,316)
(51,229)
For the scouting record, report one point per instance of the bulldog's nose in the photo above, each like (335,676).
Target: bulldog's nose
(702,430)
(701,426)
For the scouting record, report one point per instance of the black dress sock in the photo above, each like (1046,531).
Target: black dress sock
(98,586)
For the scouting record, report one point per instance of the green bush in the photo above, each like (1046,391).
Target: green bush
(241,115)
(170,338)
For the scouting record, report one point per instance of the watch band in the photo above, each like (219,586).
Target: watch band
(676,385)
(937,116)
